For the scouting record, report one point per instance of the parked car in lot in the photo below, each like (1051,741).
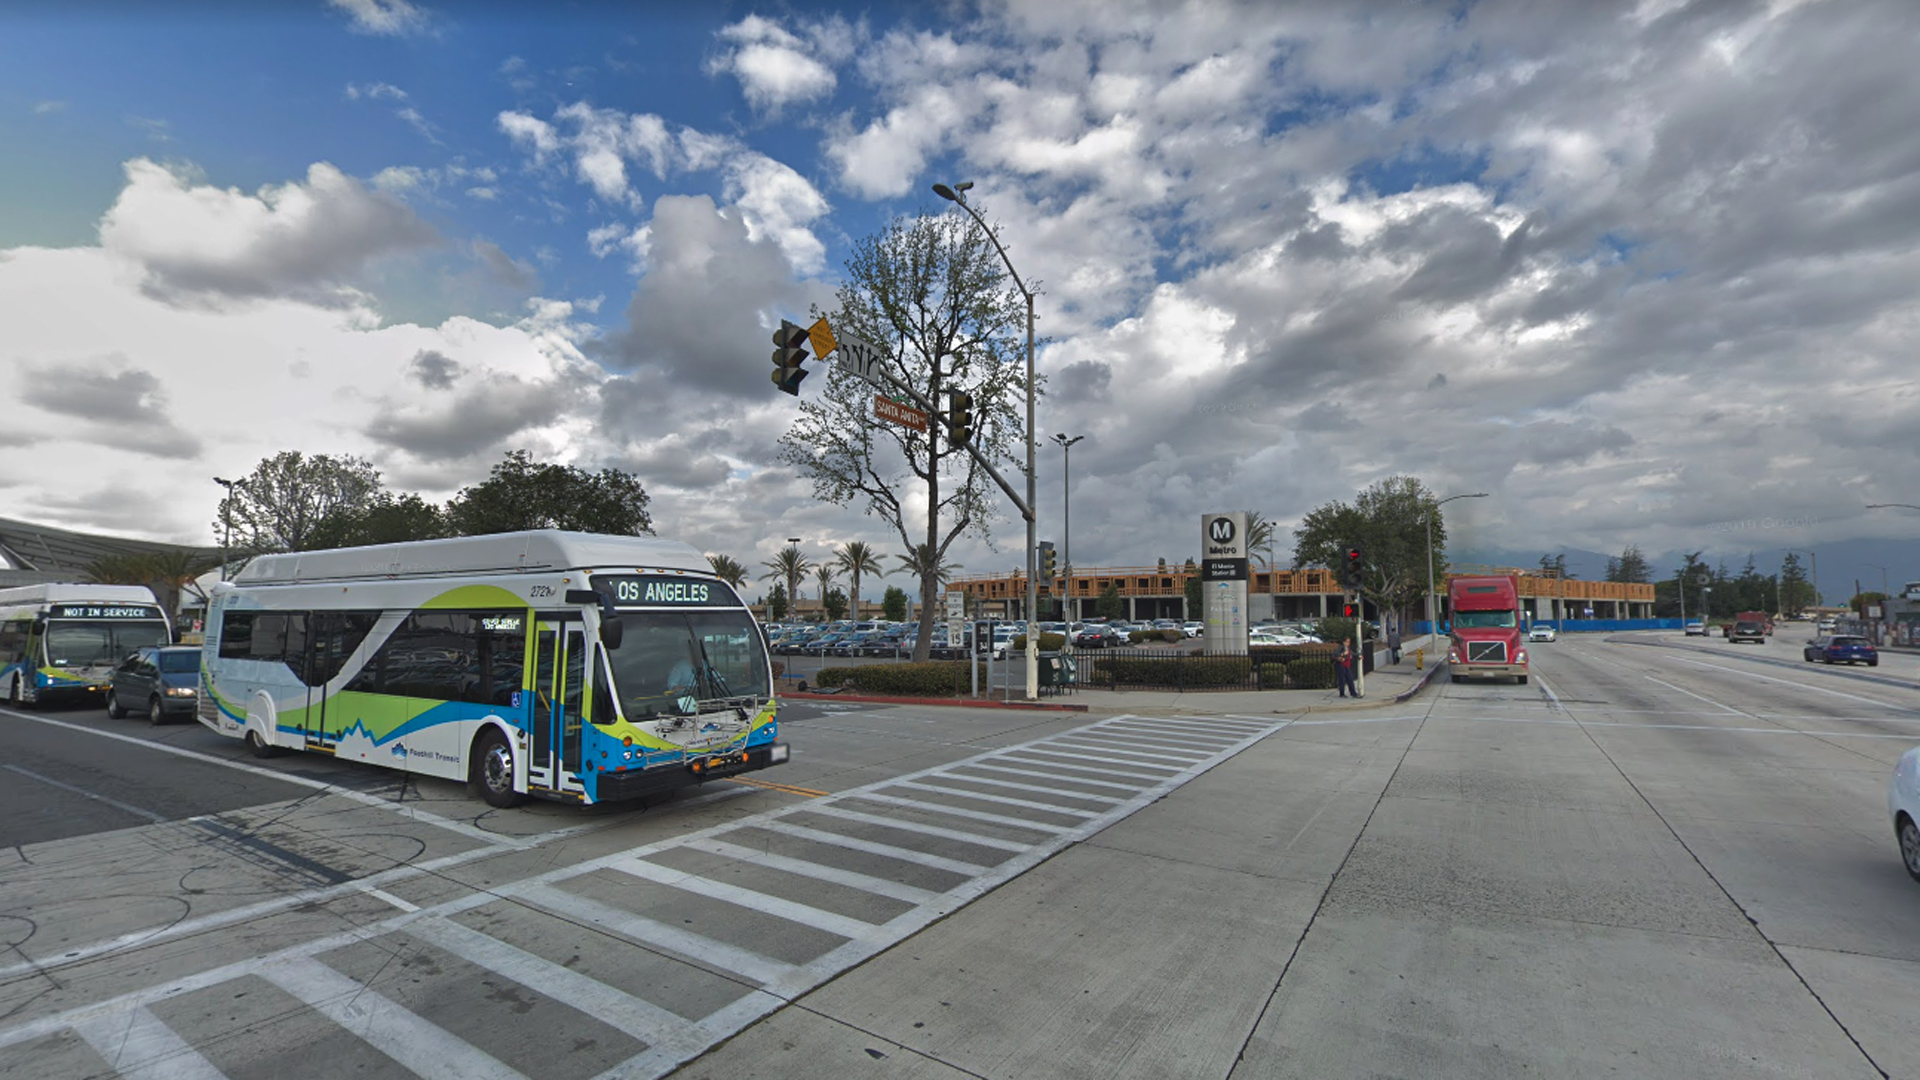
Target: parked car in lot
(160,681)
(1099,637)
(1842,649)
(1542,633)
(1194,629)
(1696,628)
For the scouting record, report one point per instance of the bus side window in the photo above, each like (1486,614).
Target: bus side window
(13,640)
(336,634)
(236,635)
(603,708)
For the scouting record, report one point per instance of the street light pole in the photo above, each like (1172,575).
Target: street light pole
(957,194)
(1433,620)
(1066,519)
(226,521)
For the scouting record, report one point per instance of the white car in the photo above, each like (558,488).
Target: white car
(1543,633)
(1696,628)
(1903,805)
(1193,629)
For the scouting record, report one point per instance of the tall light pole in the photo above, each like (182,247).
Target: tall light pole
(226,520)
(1433,620)
(957,194)
(1066,518)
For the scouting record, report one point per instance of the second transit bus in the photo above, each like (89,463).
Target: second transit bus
(569,666)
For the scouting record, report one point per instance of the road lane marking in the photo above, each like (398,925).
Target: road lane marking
(139,1046)
(1696,697)
(697,949)
(819,871)
(384,896)
(415,1042)
(938,808)
(751,899)
(771,786)
(85,794)
(406,810)
(1009,770)
(1789,682)
(874,847)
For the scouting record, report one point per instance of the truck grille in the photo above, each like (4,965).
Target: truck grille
(1486,652)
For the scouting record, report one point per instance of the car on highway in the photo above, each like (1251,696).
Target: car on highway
(160,682)
(1903,805)
(1747,630)
(1842,649)
(1696,628)
(1543,633)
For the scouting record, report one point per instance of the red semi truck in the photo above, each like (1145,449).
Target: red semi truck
(1485,637)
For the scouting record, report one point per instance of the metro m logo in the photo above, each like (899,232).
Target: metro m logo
(1220,530)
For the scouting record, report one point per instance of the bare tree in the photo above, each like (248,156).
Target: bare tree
(932,293)
(284,501)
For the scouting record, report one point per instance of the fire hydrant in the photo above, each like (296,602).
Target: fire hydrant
(1419,659)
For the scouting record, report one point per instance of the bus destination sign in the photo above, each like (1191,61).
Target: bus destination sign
(660,590)
(104,611)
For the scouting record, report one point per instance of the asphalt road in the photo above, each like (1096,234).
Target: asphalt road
(1665,858)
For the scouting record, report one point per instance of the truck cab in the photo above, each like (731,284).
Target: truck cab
(1485,640)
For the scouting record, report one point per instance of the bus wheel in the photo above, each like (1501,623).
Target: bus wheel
(493,770)
(258,746)
(113,706)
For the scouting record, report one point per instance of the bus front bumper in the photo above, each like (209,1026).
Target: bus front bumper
(616,786)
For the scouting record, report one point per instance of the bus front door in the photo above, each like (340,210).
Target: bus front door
(559,675)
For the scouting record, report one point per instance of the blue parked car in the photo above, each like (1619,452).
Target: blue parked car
(1842,649)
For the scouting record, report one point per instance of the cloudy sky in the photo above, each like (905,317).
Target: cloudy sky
(1646,272)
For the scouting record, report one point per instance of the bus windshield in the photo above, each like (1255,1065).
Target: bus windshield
(77,644)
(1481,620)
(670,662)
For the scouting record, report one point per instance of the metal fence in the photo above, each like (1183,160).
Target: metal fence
(1290,667)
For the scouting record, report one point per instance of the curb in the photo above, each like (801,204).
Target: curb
(970,703)
(1421,684)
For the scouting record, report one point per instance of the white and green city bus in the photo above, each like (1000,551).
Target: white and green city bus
(60,642)
(568,666)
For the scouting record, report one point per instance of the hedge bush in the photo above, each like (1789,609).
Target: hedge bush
(1195,671)
(1272,676)
(1138,637)
(935,678)
(1287,654)
(1048,642)
(1310,674)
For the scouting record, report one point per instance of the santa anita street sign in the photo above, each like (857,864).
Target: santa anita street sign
(895,413)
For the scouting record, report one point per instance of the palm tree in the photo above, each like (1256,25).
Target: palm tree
(728,569)
(1260,542)
(176,571)
(823,574)
(856,558)
(789,566)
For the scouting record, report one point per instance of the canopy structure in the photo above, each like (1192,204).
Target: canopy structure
(36,554)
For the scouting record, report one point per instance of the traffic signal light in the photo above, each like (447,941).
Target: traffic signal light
(1350,575)
(1347,610)
(791,348)
(959,418)
(1049,562)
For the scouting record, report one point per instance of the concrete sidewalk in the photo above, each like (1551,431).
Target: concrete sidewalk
(1385,684)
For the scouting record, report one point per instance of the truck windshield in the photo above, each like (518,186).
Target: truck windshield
(1482,620)
(669,659)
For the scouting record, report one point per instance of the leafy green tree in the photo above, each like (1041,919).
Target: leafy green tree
(1260,537)
(836,605)
(385,518)
(1193,591)
(1109,605)
(823,577)
(1631,566)
(777,603)
(788,567)
(856,559)
(924,562)
(931,291)
(285,500)
(728,569)
(1796,592)
(521,493)
(1861,600)
(893,604)
(1388,522)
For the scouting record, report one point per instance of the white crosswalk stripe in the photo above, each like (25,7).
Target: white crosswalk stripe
(1085,779)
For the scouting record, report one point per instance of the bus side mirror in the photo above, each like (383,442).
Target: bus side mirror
(611,631)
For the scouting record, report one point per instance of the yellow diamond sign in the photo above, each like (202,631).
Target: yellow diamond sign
(822,337)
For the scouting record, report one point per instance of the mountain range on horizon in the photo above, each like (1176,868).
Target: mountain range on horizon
(1840,563)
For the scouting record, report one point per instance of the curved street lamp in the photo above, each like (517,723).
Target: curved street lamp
(1433,621)
(957,194)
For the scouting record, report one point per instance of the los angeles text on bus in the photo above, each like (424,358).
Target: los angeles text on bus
(566,666)
(61,642)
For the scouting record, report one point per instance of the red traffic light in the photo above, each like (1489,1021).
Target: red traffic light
(1347,610)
